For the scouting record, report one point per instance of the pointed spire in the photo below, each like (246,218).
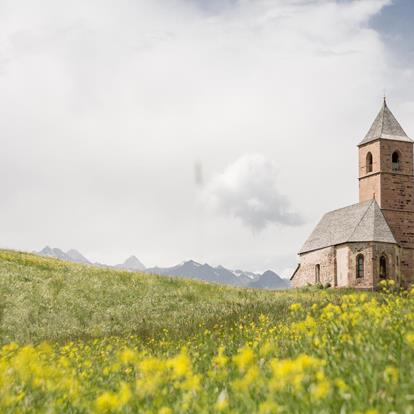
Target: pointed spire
(385,126)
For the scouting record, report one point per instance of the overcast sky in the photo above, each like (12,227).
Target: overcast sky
(219,131)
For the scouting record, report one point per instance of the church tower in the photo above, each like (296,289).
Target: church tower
(386,174)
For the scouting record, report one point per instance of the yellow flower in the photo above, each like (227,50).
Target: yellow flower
(410,338)
(391,375)
(321,389)
(124,394)
(106,402)
(243,358)
(222,401)
(180,364)
(165,410)
(248,379)
(295,307)
(268,407)
(127,356)
(341,385)
(220,360)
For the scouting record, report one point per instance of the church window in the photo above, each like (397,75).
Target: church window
(318,273)
(395,161)
(383,267)
(360,266)
(369,163)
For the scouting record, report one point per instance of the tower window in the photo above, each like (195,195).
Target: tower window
(360,266)
(395,161)
(369,163)
(383,267)
(318,273)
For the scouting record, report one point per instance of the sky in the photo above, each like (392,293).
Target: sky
(218,131)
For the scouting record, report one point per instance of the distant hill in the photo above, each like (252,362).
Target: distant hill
(77,257)
(194,270)
(270,280)
(132,263)
(189,269)
(70,256)
(219,274)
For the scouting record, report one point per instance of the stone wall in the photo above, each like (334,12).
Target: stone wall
(402,226)
(339,268)
(405,149)
(342,266)
(306,272)
(370,185)
(406,259)
(366,249)
(392,253)
(394,192)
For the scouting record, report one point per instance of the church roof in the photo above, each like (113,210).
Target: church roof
(385,126)
(362,222)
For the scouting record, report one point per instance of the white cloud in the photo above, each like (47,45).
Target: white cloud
(247,190)
(105,107)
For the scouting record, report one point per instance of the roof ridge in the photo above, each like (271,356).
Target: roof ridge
(384,106)
(362,217)
(343,208)
(386,222)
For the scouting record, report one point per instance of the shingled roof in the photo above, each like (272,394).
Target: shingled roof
(385,126)
(363,222)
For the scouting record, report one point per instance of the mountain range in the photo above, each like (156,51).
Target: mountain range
(189,269)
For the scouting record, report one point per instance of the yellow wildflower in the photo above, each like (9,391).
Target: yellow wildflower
(222,401)
(321,389)
(391,375)
(295,307)
(220,360)
(127,356)
(180,364)
(243,358)
(106,402)
(410,338)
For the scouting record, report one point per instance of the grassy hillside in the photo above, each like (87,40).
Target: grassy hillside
(128,343)
(44,298)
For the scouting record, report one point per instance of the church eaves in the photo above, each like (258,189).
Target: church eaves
(385,126)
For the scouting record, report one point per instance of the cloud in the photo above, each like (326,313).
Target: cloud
(247,190)
(105,106)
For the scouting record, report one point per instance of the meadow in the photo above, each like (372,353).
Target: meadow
(77,339)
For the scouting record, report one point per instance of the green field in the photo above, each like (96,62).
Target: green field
(78,339)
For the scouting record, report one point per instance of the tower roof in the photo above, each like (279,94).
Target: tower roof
(385,126)
(363,222)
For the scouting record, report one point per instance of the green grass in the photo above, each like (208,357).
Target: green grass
(105,341)
(47,299)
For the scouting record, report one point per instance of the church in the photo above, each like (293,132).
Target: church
(365,243)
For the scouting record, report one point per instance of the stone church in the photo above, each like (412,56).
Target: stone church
(362,244)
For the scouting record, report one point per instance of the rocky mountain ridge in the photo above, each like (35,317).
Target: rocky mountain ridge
(189,269)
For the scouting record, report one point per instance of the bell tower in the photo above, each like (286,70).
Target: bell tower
(386,173)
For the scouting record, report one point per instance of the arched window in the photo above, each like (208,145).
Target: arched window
(368,164)
(360,266)
(395,161)
(318,273)
(383,267)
